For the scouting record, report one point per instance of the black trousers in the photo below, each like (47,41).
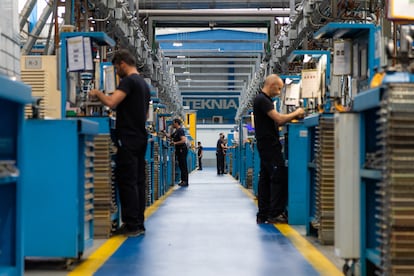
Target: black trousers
(181,154)
(130,178)
(273,180)
(200,165)
(220,163)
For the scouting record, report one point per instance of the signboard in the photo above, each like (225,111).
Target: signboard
(207,107)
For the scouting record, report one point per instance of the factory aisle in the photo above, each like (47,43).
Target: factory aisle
(208,228)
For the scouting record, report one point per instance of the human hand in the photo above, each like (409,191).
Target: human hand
(93,94)
(300,113)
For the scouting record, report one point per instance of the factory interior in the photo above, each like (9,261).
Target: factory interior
(348,63)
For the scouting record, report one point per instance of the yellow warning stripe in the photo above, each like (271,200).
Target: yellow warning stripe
(309,252)
(104,252)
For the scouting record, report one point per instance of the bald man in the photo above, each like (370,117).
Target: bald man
(272,186)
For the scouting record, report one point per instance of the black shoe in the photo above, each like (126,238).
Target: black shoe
(183,184)
(261,220)
(124,230)
(282,218)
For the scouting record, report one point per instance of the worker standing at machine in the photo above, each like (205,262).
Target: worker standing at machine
(181,151)
(131,100)
(220,153)
(273,182)
(200,155)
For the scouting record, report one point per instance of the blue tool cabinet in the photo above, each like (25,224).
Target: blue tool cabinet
(13,97)
(58,187)
(298,156)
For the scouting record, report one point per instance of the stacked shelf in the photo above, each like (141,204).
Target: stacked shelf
(325,180)
(105,196)
(157,170)
(395,231)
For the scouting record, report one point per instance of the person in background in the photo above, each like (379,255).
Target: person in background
(273,182)
(199,155)
(131,100)
(220,152)
(179,140)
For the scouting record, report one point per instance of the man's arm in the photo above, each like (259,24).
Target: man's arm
(282,119)
(111,101)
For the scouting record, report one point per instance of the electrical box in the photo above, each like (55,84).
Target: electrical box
(347,185)
(40,72)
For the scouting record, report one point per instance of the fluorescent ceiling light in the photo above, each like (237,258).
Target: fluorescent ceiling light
(177,44)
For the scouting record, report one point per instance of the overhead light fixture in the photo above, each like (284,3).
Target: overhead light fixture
(177,44)
(181,56)
(186,72)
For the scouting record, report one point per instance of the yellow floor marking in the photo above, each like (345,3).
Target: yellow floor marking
(309,252)
(103,253)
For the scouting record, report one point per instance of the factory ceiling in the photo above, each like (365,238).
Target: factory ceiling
(212,4)
(215,47)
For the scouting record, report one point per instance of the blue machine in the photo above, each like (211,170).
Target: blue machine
(298,142)
(13,97)
(58,187)
(245,152)
(76,82)
(75,86)
(363,42)
(374,243)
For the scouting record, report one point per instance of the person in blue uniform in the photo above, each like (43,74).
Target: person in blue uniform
(272,186)
(131,100)
(179,141)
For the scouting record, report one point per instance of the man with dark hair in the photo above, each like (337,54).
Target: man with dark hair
(200,155)
(181,150)
(272,187)
(220,153)
(131,100)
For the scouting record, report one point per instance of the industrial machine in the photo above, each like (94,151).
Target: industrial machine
(386,112)
(13,97)
(58,188)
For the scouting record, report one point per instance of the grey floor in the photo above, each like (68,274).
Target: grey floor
(57,267)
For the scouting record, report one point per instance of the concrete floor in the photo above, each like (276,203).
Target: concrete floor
(198,182)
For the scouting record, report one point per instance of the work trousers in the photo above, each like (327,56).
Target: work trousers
(200,165)
(220,163)
(273,179)
(181,154)
(130,178)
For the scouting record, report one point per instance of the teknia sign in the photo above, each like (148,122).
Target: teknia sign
(208,107)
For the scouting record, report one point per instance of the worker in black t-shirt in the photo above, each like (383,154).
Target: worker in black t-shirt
(220,153)
(180,142)
(272,186)
(131,100)
(199,155)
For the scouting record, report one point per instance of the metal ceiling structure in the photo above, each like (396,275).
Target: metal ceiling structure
(213,4)
(215,65)
(222,63)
